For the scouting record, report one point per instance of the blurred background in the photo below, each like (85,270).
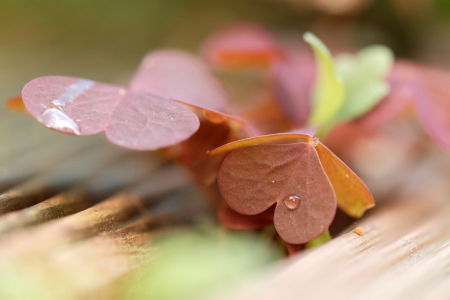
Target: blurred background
(105,40)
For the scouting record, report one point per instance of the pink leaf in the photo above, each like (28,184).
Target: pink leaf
(179,76)
(427,88)
(136,120)
(433,103)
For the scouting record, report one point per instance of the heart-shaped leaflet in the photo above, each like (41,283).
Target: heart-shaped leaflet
(144,117)
(252,179)
(132,119)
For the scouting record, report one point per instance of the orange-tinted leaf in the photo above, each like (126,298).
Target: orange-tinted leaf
(15,104)
(213,116)
(294,248)
(234,220)
(268,118)
(192,153)
(304,133)
(252,179)
(353,197)
(241,46)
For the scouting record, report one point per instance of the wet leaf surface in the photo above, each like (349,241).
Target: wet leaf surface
(135,120)
(71,105)
(144,117)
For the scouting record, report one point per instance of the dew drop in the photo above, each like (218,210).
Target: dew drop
(57,120)
(292,202)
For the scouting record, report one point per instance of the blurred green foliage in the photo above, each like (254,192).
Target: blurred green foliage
(320,240)
(347,86)
(329,92)
(364,76)
(192,264)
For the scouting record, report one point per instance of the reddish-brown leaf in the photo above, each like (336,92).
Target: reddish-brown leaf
(192,153)
(294,248)
(234,220)
(242,45)
(353,197)
(252,179)
(268,118)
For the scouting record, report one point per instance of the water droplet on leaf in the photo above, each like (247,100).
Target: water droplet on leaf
(56,119)
(292,202)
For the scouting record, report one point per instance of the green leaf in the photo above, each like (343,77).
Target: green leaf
(364,80)
(320,240)
(195,263)
(328,95)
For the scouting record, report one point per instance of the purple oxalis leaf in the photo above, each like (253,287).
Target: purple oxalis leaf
(71,105)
